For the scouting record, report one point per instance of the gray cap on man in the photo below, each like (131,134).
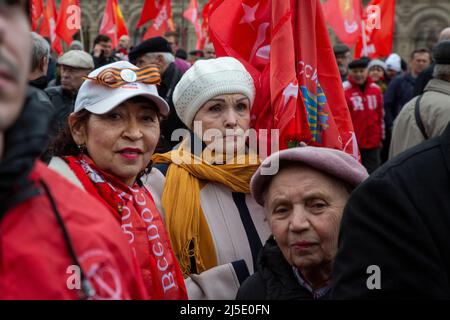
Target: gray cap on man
(77,59)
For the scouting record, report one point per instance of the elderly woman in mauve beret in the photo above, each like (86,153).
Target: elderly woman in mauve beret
(304,202)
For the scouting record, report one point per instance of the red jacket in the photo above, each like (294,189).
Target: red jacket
(366,109)
(34,257)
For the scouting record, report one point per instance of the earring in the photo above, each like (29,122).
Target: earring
(81,148)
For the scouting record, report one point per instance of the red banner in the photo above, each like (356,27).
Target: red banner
(49,25)
(344,17)
(163,21)
(150,11)
(191,14)
(379,30)
(289,54)
(205,25)
(69,20)
(113,24)
(37,10)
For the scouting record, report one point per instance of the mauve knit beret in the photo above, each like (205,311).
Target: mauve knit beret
(333,162)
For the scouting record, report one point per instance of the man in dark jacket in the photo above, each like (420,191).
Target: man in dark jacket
(426,75)
(158,51)
(343,58)
(38,80)
(39,62)
(75,65)
(103,52)
(394,237)
(401,88)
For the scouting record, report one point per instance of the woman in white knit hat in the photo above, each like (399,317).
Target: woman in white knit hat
(215,226)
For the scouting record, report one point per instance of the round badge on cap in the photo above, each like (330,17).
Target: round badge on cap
(128,75)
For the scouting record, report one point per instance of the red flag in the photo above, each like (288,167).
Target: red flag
(289,54)
(69,20)
(379,30)
(113,24)
(191,14)
(49,25)
(204,38)
(37,10)
(344,16)
(150,10)
(163,21)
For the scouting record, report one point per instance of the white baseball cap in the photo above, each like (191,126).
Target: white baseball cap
(100,99)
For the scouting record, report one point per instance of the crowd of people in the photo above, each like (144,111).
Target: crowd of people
(377,91)
(98,200)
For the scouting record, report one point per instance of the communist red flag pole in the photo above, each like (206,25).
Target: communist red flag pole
(150,10)
(289,54)
(344,17)
(204,28)
(37,10)
(69,20)
(113,23)
(163,21)
(323,95)
(191,14)
(376,39)
(49,25)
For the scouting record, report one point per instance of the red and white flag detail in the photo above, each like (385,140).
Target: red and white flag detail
(191,14)
(113,24)
(163,21)
(48,28)
(344,17)
(37,10)
(69,20)
(288,52)
(379,23)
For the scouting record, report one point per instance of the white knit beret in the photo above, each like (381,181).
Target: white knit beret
(207,79)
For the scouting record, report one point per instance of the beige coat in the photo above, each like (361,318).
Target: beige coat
(435,113)
(229,231)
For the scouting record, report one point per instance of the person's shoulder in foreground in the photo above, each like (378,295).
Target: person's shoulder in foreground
(394,234)
(37,263)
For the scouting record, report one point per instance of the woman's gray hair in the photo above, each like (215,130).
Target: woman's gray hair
(442,72)
(41,49)
(168,57)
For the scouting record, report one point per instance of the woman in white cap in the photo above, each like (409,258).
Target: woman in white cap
(377,73)
(304,202)
(107,147)
(215,226)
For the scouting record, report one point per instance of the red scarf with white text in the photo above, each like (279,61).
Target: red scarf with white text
(141,222)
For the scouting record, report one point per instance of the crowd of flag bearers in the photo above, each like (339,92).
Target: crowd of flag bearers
(112,185)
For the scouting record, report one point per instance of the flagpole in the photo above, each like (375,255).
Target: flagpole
(82,38)
(364,38)
(182,33)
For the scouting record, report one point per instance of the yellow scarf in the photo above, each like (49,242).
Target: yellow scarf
(185,221)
